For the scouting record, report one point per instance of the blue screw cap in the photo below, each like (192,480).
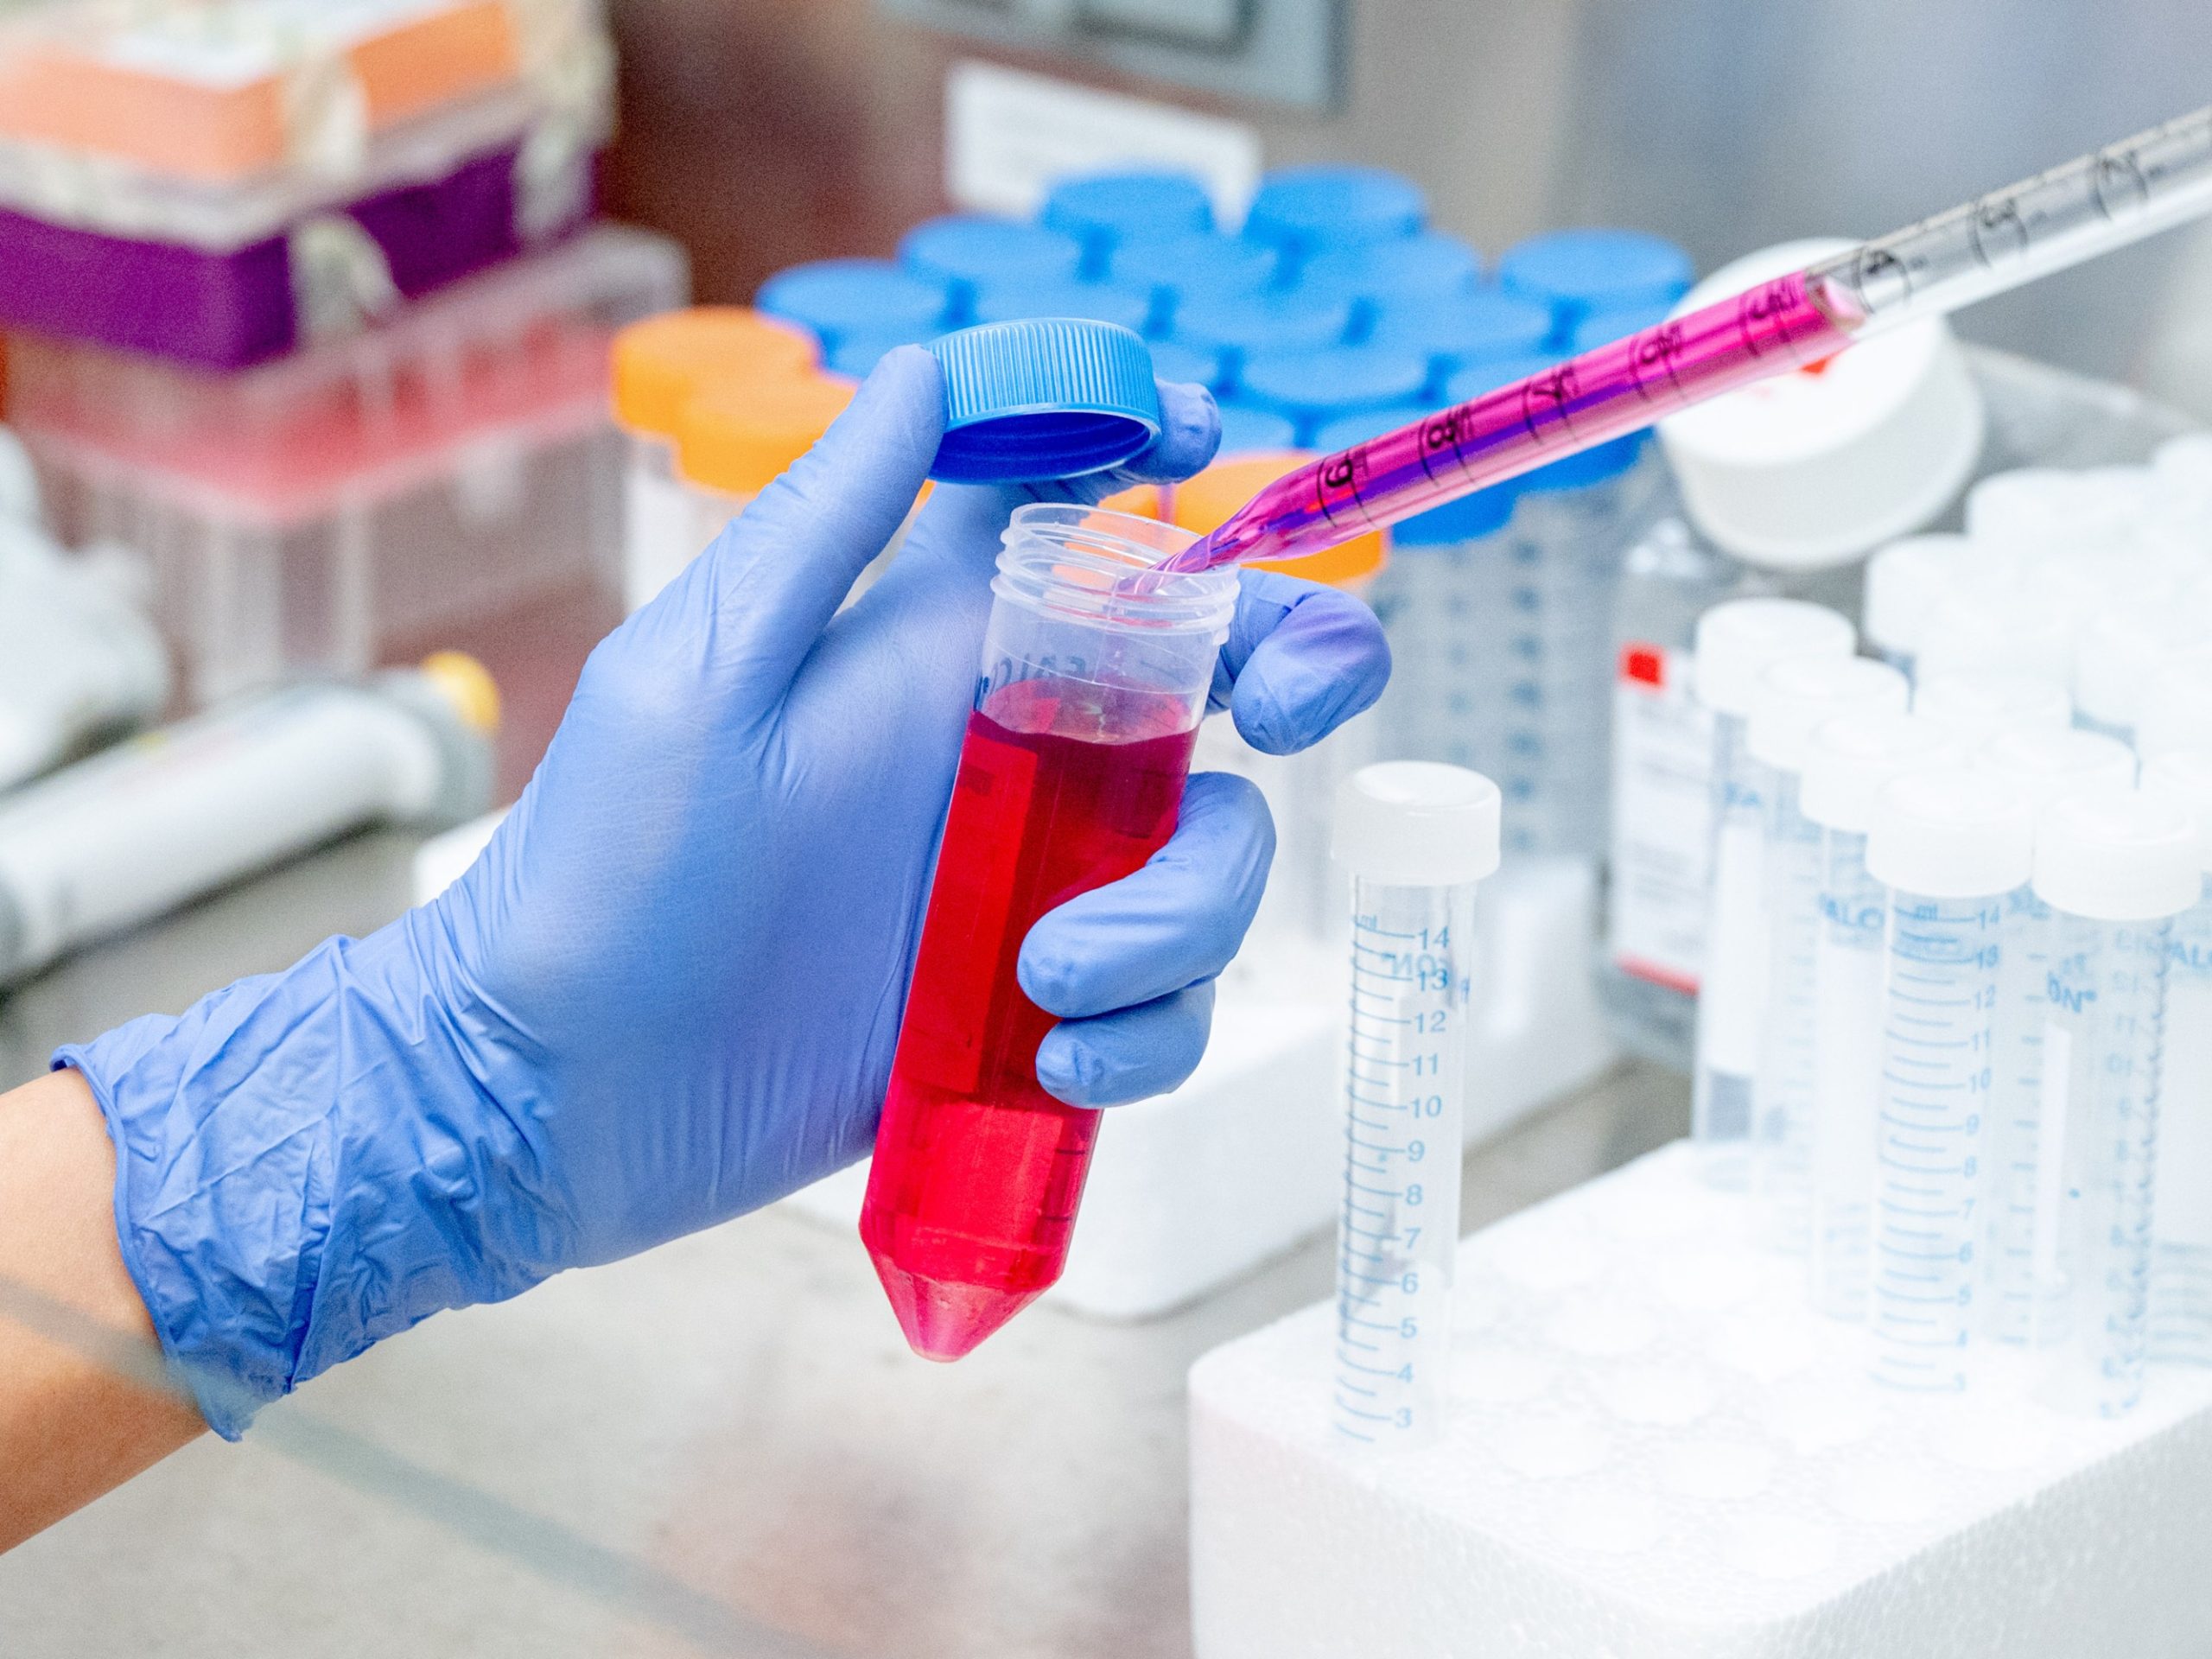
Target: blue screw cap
(1602,327)
(1011,302)
(1576,272)
(1247,431)
(1304,209)
(1236,324)
(1314,387)
(965,251)
(1455,330)
(1191,365)
(1105,209)
(1192,267)
(1410,267)
(1043,398)
(837,297)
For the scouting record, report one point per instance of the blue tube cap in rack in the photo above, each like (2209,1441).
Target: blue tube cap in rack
(1010,301)
(1234,324)
(1311,388)
(1251,431)
(1043,398)
(1577,272)
(1192,267)
(1104,210)
(1409,267)
(1304,209)
(1455,330)
(837,297)
(965,251)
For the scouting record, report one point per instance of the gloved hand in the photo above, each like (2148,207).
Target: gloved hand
(669,989)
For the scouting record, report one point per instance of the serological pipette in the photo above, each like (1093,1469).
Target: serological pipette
(2103,200)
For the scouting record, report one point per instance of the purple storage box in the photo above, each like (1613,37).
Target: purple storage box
(327,270)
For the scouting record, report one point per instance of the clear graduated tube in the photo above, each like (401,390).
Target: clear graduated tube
(2181,1256)
(1850,760)
(1796,695)
(1949,845)
(2097,202)
(1069,777)
(1416,836)
(2115,867)
(1737,643)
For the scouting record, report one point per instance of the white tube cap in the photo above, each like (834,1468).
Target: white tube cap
(1417,823)
(1808,470)
(2186,775)
(2118,855)
(1852,756)
(1738,641)
(1974,704)
(2183,466)
(2176,712)
(2028,508)
(1903,581)
(1987,627)
(2122,651)
(2051,762)
(1951,833)
(1796,694)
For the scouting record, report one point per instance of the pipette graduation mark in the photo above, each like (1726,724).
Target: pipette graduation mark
(2098,202)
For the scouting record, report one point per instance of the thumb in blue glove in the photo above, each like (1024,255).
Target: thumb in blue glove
(668,991)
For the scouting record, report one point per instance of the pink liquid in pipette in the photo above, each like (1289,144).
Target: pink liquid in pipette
(1617,389)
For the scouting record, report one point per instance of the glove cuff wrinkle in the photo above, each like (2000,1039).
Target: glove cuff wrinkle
(299,1163)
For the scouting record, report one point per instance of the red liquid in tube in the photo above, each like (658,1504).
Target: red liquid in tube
(1063,786)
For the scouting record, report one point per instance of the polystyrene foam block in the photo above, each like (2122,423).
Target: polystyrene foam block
(1657,1451)
(1192,1190)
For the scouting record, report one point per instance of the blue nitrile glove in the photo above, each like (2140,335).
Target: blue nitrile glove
(669,990)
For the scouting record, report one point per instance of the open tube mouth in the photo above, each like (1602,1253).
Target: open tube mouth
(1078,562)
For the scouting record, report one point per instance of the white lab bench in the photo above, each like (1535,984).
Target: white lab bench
(720,1447)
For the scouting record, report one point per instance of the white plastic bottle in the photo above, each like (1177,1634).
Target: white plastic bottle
(1975,704)
(1736,644)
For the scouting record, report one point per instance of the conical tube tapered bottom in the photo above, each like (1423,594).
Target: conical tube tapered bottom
(944,1319)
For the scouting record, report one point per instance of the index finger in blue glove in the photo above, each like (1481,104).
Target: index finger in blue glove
(1174,922)
(772,580)
(1300,659)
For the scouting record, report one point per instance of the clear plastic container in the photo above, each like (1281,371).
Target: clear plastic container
(324,511)
(2115,867)
(1073,768)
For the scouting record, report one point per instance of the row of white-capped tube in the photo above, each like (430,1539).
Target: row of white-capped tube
(1956,1025)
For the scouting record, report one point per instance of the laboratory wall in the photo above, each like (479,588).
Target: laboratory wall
(768,131)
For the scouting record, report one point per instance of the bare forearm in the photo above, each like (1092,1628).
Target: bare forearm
(83,1407)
